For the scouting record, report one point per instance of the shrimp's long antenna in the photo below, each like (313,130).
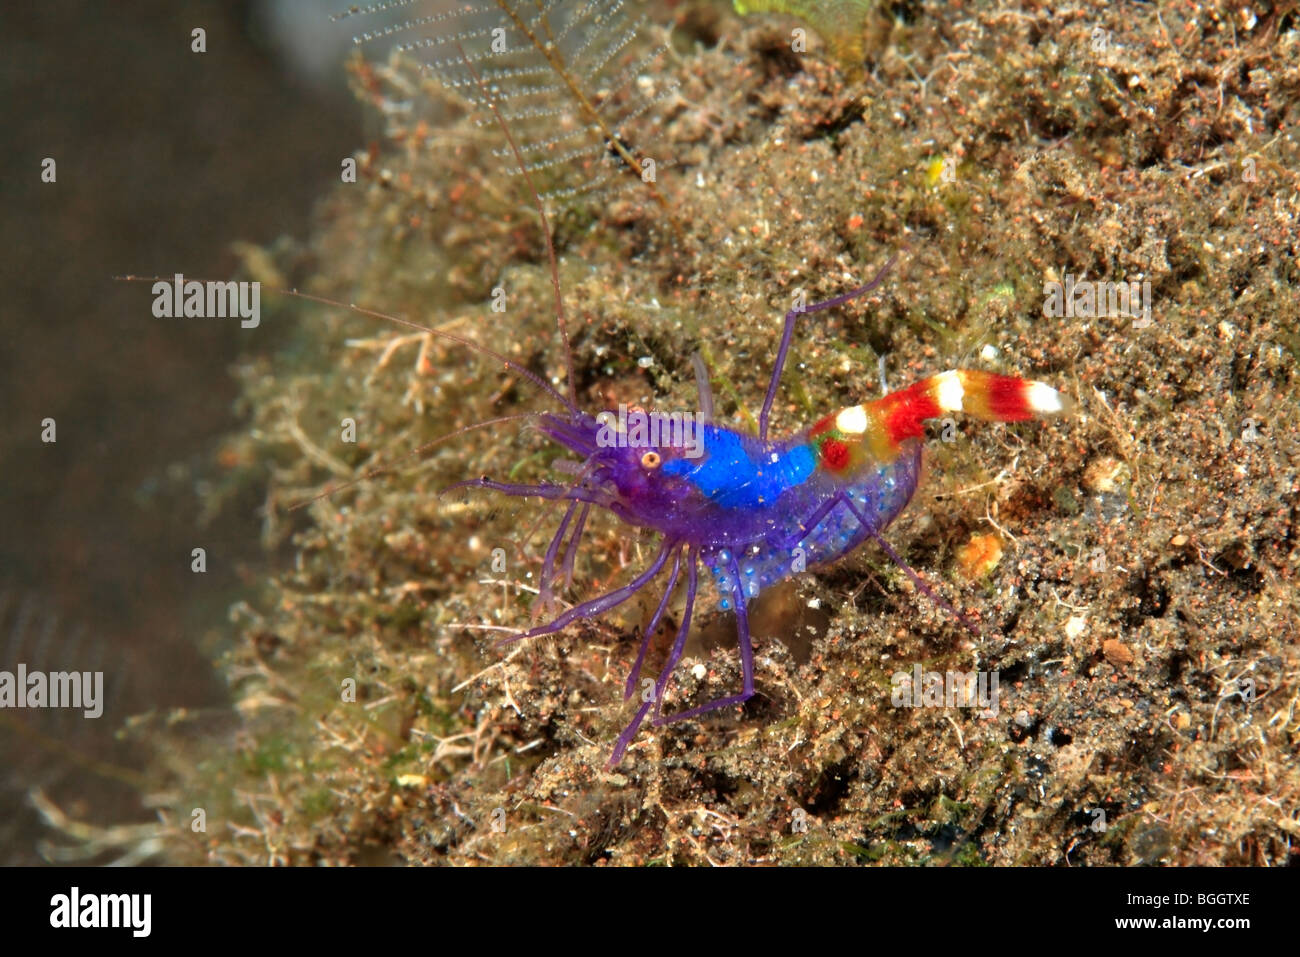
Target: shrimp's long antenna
(537,380)
(384,469)
(788,333)
(478,347)
(541,212)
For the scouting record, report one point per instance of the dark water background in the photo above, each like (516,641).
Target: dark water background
(165,157)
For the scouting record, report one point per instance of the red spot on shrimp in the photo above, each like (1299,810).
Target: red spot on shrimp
(835,454)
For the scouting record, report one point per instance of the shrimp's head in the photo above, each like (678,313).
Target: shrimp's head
(638,458)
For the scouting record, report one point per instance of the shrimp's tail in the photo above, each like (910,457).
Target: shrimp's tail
(884,424)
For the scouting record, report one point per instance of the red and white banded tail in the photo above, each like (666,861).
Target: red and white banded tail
(892,419)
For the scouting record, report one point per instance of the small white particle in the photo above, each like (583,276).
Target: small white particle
(699,671)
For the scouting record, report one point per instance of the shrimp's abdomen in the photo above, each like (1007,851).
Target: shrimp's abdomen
(778,508)
(813,524)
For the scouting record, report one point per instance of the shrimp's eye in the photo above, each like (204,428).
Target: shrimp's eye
(650,460)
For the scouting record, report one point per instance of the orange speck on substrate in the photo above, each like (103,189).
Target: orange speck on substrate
(230,457)
(980,555)
(855,221)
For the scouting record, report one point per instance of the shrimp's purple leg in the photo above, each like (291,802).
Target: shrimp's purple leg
(805,528)
(571,552)
(746,658)
(625,739)
(650,628)
(545,595)
(597,606)
(787,333)
(911,573)
(666,673)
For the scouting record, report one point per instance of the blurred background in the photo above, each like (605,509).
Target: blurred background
(165,159)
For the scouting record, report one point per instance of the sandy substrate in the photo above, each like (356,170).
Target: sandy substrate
(1131,565)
